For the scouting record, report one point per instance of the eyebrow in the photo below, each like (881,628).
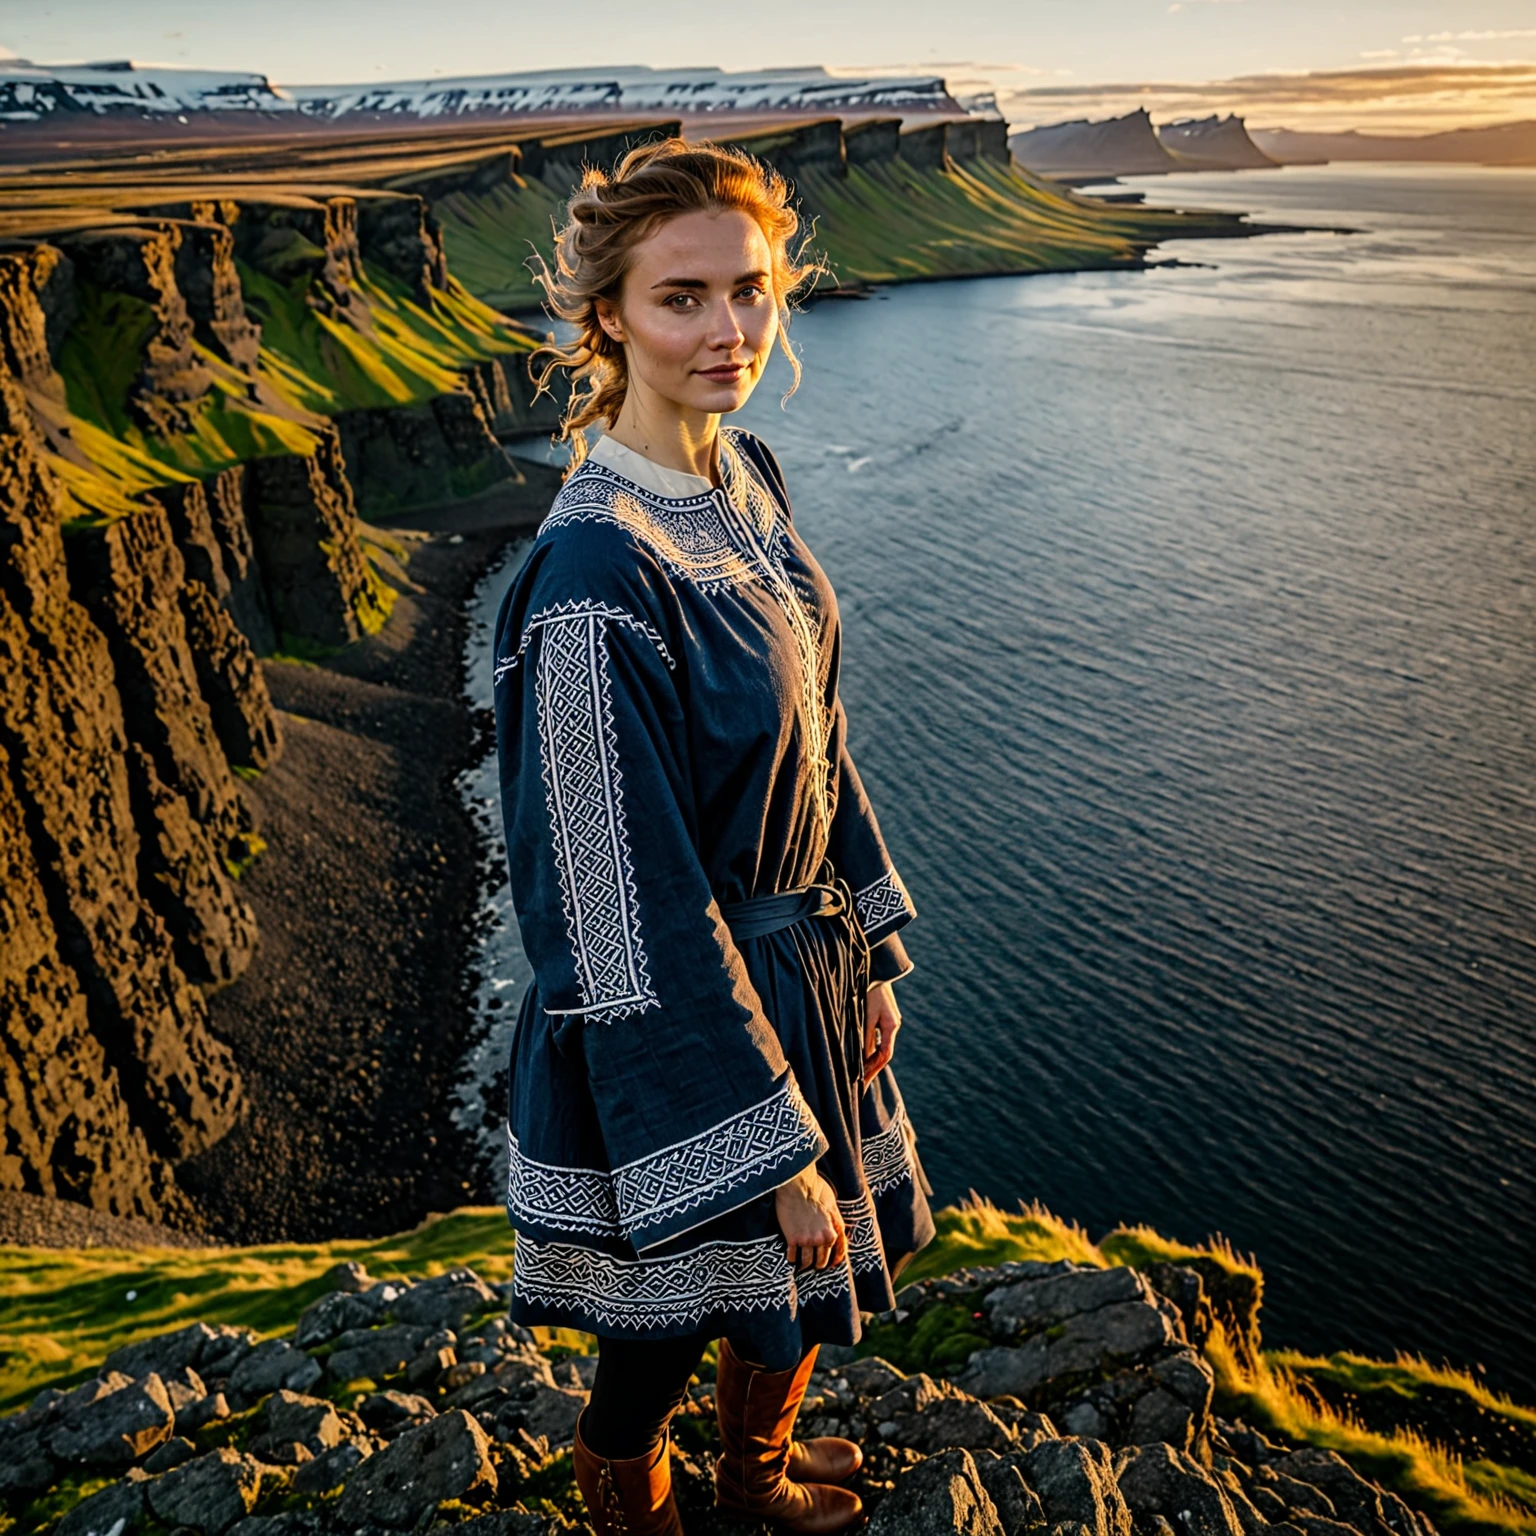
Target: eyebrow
(698,282)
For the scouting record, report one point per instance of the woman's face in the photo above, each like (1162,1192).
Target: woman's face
(696,313)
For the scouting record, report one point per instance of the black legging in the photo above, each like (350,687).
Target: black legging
(640,1384)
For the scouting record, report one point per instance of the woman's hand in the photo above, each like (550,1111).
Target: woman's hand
(882,1018)
(810,1220)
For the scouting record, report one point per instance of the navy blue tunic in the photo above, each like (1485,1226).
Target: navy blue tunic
(671,743)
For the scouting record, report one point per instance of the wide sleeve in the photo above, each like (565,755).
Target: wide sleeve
(859,855)
(696,1105)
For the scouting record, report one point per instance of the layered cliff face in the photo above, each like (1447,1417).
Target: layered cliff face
(178,396)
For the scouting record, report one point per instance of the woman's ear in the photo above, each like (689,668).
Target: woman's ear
(608,318)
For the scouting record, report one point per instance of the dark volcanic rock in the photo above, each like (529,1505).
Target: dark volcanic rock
(232,682)
(926,1415)
(140,265)
(446,1301)
(117,1510)
(448,1458)
(374,1352)
(270,1367)
(303,525)
(111,1422)
(209,1494)
(1018,1505)
(392,1413)
(210,286)
(287,1416)
(1158,1480)
(1075,1481)
(397,234)
(62,730)
(130,576)
(941,1496)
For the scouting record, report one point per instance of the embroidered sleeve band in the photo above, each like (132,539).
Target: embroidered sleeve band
(881,904)
(584,789)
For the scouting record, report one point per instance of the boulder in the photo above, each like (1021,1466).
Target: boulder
(205,1410)
(941,1496)
(1354,1500)
(25,1465)
(209,1494)
(338,1313)
(1044,1300)
(1018,1505)
(111,1422)
(183,1387)
(550,1411)
(1075,1481)
(446,1301)
(374,1353)
(271,1367)
(288,1417)
(164,1355)
(392,1413)
(117,1510)
(170,1453)
(870,1377)
(1158,1480)
(924,1415)
(331,1469)
(448,1458)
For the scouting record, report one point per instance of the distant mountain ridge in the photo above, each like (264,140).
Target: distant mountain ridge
(1216,143)
(1083,150)
(1133,146)
(1501,144)
(35,92)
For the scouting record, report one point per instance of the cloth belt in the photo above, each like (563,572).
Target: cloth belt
(762,915)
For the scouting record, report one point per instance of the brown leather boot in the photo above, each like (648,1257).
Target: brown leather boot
(628,1498)
(756,1410)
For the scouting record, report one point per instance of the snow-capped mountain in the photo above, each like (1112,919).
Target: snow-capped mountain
(32,91)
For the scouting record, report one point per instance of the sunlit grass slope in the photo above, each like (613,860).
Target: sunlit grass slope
(881,223)
(396,351)
(489,238)
(62,1311)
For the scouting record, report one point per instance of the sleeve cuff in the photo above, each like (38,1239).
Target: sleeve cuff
(888,960)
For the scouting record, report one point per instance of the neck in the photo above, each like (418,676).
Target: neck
(668,435)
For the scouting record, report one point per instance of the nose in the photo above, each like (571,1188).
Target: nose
(725,333)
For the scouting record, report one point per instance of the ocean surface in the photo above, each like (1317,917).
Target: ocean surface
(1191,665)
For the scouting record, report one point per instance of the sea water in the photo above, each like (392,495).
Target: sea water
(1190,661)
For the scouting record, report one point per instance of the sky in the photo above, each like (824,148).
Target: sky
(1396,65)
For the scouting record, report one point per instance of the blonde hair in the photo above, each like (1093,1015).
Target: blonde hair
(607,217)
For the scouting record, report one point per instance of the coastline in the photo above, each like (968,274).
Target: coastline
(351,1024)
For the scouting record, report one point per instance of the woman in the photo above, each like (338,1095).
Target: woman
(705,1138)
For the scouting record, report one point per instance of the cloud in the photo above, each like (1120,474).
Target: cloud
(1407,95)
(1469,37)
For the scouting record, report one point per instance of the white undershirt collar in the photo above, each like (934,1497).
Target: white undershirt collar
(657,478)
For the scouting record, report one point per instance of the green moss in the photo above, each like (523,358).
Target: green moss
(941,1339)
(46,1508)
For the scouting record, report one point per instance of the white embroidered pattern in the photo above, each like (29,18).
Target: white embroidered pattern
(878,903)
(866,1253)
(655,1293)
(696,538)
(885,1156)
(662,1185)
(575,609)
(823,1284)
(689,537)
(565,1199)
(583,789)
